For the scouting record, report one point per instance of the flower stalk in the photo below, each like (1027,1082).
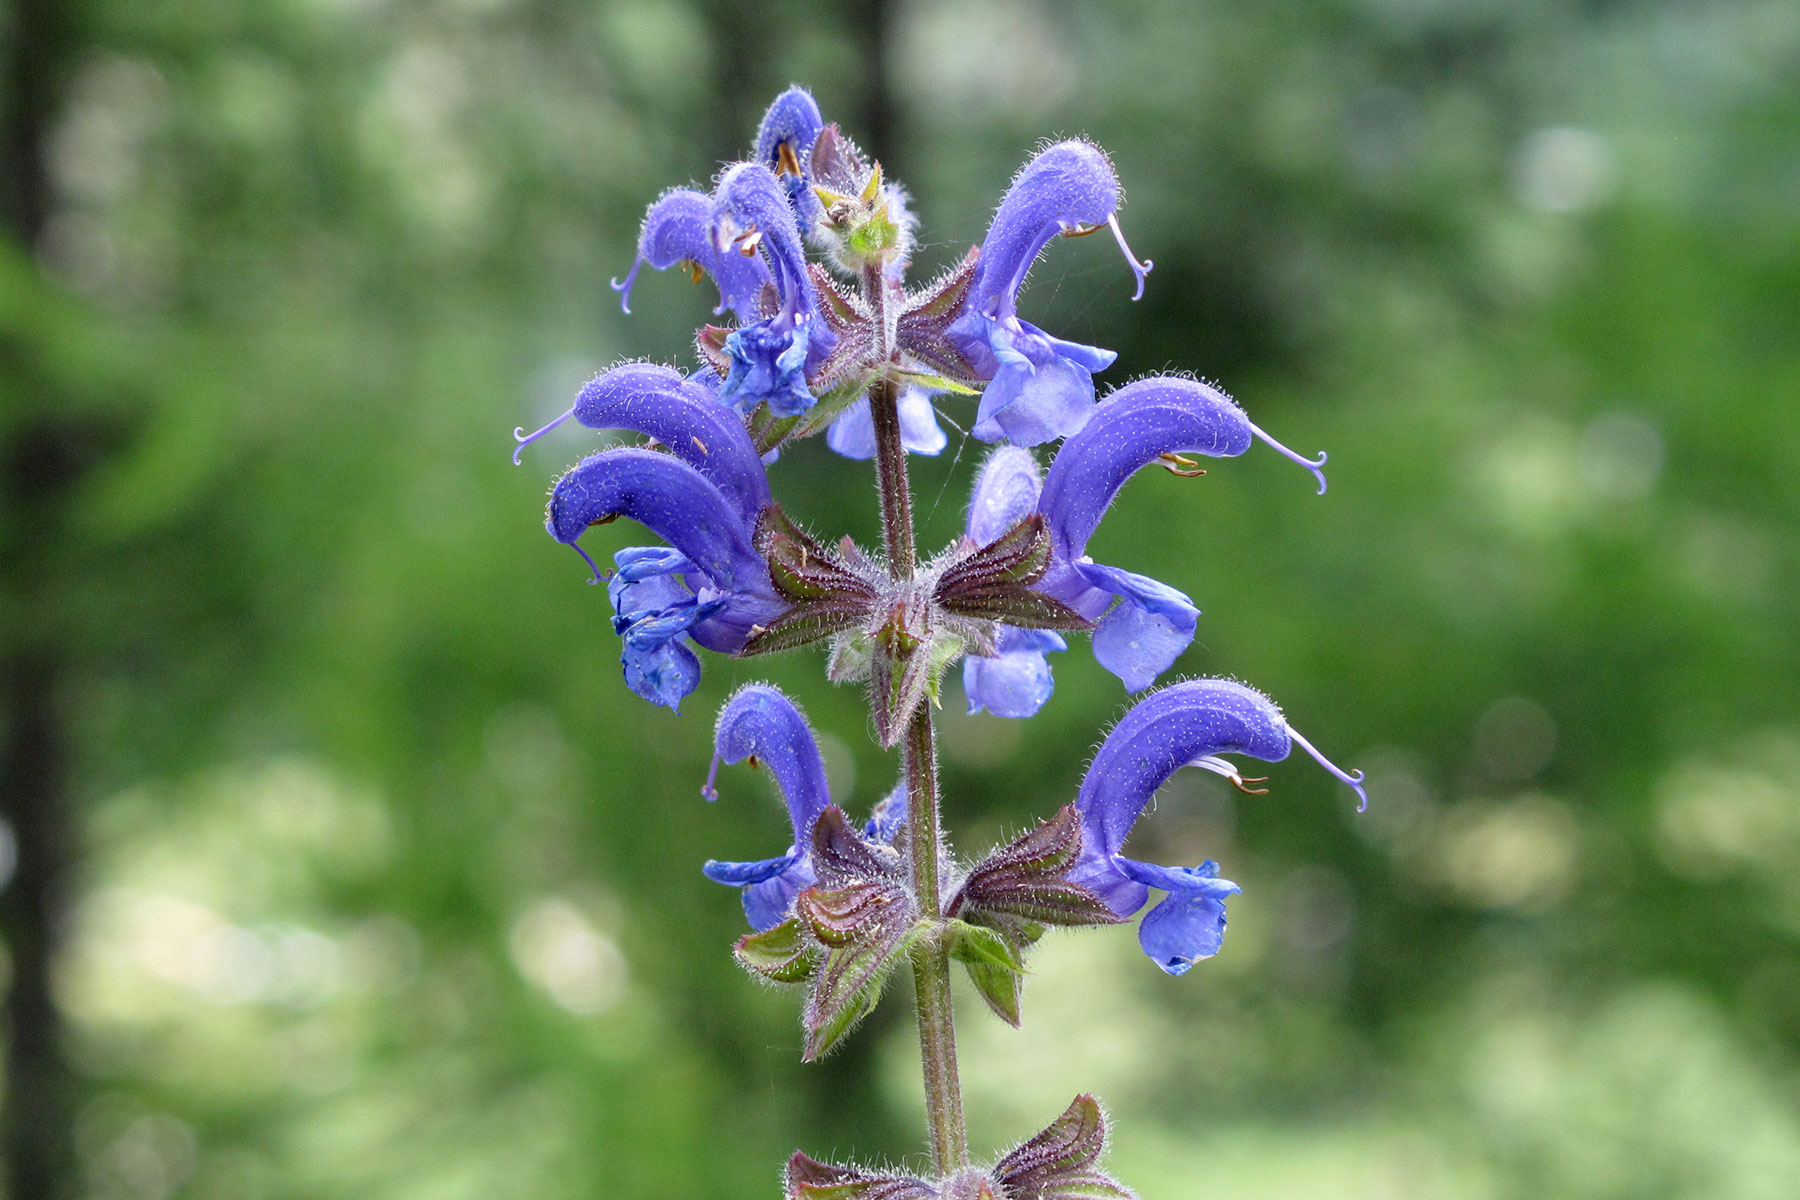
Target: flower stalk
(931,955)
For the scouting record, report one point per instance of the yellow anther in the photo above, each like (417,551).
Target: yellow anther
(1178,464)
(785,161)
(749,242)
(1079,231)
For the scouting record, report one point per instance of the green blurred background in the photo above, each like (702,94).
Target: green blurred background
(338,861)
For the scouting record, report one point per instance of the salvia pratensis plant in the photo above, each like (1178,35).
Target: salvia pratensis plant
(807,241)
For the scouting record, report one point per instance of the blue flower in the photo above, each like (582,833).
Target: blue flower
(678,229)
(1142,625)
(1040,387)
(703,497)
(752,214)
(763,725)
(1015,681)
(1186,724)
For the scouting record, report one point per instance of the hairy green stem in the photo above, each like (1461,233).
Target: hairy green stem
(930,956)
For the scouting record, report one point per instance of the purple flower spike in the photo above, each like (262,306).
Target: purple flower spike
(678,228)
(763,725)
(1185,724)
(1040,387)
(784,143)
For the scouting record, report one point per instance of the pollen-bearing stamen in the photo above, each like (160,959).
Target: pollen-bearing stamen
(1220,766)
(1180,464)
(1311,464)
(525,439)
(1138,269)
(1353,778)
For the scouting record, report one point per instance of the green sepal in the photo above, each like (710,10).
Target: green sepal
(851,653)
(945,649)
(782,953)
(934,382)
(994,957)
(979,945)
(1063,1161)
(849,983)
(1027,881)
(800,626)
(831,404)
(809,1179)
(801,569)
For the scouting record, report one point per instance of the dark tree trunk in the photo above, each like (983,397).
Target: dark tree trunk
(41,462)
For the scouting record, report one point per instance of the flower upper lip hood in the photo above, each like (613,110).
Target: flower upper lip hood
(768,359)
(762,724)
(750,202)
(1185,724)
(784,142)
(675,501)
(678,228)
(1066,187)
(1039,387)
(678,413)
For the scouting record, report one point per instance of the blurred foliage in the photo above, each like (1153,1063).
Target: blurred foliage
(385,885)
